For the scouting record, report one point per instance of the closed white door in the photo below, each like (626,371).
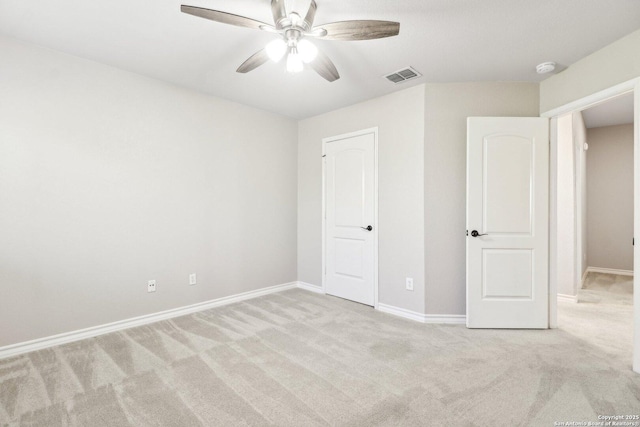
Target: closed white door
(350,228)
(507,222)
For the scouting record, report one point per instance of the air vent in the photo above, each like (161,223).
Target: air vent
(403,75)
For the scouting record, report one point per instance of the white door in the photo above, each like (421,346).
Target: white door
(507,222)
(350,207)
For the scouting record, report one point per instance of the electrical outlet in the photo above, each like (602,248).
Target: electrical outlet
(409,283)
(151,286)
(192,279)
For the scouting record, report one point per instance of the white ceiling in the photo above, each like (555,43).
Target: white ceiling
(446,40)
(617,111)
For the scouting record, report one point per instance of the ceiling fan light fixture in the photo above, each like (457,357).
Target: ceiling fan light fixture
(293,28)
(276,49)
(294,61)
(308,51)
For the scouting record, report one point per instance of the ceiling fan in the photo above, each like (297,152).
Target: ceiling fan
(294,32)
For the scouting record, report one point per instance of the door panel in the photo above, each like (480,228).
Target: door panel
(507,207)
(507,202)
(507,273)
(348,258)
(349,210)
(348,187)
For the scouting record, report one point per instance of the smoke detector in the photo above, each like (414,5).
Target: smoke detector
(545,67)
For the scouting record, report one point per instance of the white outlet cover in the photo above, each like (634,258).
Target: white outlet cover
(409,283)
(151,286)
(192,279)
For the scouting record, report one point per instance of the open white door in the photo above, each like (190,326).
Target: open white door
(350,216)
(507,222)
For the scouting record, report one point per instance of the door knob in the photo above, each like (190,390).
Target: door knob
(368,228)
(475,233)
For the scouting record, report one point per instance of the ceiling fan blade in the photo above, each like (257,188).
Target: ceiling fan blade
(254,61)
(311,14)
(360,30)
(279,11)
(318,32)
(223,17)
(323,66)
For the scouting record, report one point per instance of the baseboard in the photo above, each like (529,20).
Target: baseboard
(67,337)
(567,298)
(310,287)
(401,312)
(457,319)
(584,278)
(609,271)
(452,319)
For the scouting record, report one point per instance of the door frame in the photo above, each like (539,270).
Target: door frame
(632,85)
(325,141)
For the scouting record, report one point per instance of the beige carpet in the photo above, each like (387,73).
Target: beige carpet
(301,359)
(603,315)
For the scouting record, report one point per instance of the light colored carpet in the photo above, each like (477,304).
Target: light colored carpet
(603,316)
(301,359)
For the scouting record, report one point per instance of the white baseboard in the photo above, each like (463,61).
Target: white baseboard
(310,287)
(567,298)
(401,312)
(609,271)
(584,278)
(67,337)
(457,319)
(453,319)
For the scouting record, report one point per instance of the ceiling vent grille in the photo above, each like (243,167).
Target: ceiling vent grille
(403,75)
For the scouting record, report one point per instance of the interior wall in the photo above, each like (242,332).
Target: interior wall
(447,106)
(566,208)
(399,118)
(109,179)
(610,197)
(612,65)
(607,67)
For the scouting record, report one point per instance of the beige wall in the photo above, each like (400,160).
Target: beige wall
(108,179)
(610,197)
(447,107)
(127,200)
(430,236)
(399,117)
(611,65)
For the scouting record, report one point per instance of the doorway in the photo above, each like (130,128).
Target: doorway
(598,141)
(607,181)
(350,226)
(566,273)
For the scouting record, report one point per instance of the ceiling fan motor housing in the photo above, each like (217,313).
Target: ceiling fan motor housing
(292,35)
